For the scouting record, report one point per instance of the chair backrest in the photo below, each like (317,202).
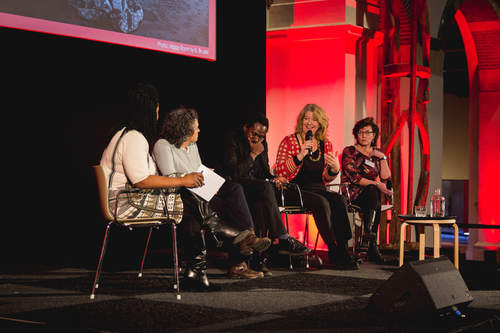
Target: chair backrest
(292,202)
(337,187)
(102,191)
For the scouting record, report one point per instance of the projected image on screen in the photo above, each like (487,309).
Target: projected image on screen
(176,26)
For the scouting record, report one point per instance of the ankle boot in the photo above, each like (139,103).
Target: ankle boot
(339,256)
(221,231)
(368,226)
(195,274)
(374,254)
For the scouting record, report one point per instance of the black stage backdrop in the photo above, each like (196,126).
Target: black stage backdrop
(62,95)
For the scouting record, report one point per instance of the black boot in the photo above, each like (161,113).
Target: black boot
(222,232)
(258,262)
(374,254)
(195,275)
(339,256)
(217,227)
(368,225)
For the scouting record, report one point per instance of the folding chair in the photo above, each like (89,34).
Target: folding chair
(354,212)
(131,223)
(295,209)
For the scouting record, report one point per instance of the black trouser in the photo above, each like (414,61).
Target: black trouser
(261,199)
(231,205)
(369,200)
(330,214)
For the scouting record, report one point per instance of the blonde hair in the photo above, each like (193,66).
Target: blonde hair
(319,115)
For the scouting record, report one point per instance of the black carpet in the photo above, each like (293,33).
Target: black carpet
(58,301)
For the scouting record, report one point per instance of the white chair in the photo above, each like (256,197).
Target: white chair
(131,223)
(354,213)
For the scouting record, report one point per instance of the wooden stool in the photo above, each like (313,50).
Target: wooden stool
(435,222)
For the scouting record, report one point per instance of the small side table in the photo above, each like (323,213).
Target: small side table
(435,222)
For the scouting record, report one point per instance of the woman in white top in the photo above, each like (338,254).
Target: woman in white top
(127,160)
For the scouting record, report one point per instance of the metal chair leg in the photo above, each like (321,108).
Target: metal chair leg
(358,238)
(176,261)
(290,265)
(145,252)
(306,240)
(95,285)
(316,243)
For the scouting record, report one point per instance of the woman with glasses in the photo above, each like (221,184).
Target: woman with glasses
(365,167)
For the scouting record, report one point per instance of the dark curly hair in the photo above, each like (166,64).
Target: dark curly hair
(178,125)
(363,123)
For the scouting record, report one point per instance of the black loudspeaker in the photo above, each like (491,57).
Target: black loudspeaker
(430,286)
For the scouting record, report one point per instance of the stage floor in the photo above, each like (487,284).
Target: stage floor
(323,300)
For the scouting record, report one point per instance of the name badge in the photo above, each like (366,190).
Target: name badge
(370,163)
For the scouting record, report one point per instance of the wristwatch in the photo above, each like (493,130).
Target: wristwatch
(383,158)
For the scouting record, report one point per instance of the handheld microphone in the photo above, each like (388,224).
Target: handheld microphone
(309,136)
(389,184)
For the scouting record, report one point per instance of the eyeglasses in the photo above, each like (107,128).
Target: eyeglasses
(365,132)
(255,134)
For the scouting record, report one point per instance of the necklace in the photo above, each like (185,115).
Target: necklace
(317,158)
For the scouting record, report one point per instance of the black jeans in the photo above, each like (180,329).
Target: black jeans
(369,200)
(330,214)
(261,198)
(231,206)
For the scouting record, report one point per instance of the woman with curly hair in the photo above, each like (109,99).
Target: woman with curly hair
(176,152)
(365,167)
(306,158)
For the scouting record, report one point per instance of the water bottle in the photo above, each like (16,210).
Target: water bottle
(437,204)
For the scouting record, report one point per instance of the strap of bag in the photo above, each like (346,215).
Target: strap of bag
(113,164)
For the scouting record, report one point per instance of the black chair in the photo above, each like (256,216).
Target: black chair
(295,206)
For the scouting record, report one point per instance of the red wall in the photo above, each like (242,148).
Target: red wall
(480,29)
(317,65)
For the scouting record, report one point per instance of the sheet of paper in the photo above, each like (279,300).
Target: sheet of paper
(212,183)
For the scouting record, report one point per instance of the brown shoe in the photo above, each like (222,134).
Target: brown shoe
(241,271)
(253,243)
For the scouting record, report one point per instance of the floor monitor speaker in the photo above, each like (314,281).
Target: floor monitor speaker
(432,285)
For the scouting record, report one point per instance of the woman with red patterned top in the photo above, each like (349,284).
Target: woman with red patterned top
(365,167)
(306,158)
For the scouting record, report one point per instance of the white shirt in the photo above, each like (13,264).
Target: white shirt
(132,159)
(171,159)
